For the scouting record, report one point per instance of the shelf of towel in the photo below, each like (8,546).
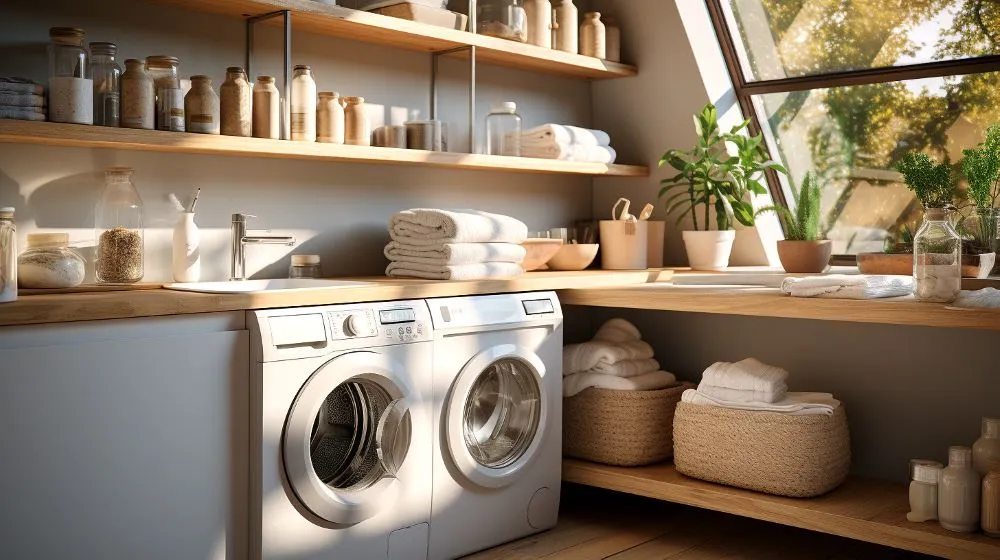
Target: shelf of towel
(769,302)
(861,509)
(336,21)
(82,136)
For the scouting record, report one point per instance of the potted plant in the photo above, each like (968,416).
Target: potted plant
(803,250)
(717,176)
(981,168)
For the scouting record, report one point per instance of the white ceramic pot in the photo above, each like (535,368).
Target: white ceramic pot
(708,250)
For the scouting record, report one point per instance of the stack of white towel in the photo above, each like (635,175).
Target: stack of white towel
(753,385)
(849,286)
(454,245)
(616,358)
(569,143)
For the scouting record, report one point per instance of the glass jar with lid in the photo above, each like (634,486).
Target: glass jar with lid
(71,95)
(49,262)
(503,130)
(119,230)
(502,18)
(937,257)
(169,95)
(106,73)
(305,266)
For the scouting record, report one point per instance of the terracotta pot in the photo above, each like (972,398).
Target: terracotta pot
(973,266)
(708,250)
(805,256)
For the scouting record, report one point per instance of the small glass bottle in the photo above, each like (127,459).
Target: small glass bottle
(303,105)
(924,492)
(305,266)
(266,109)
(937,258)
(169,95)
(138,96)
(505,19)
(106,73)
(503,130)
(959,490)
(986,450)
(990,514)
(48,263)
(201,107)
(235,103)
(71,91)
(357,128)
(330,118)
(8,255)
(119,232)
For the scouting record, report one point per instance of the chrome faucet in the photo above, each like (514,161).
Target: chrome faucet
(239,241)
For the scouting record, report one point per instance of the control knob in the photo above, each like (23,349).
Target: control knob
(358,324)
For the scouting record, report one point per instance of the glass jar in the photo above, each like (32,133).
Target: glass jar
(303,107)
(959,492)
(503,130)
(986,450)
(8,255)
(235,103)
(924,492)
(505,19)
(305,266)
(201,107)
(169,95)
(357,128)
(119,231)
(106,73)
(985,222)
(266,109)
(71,91)
(138,96)
(937,257)
(48,262)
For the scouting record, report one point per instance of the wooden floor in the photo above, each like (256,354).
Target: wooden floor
(597,524)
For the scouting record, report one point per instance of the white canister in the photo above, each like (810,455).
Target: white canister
(187,252)
(624,245)
(71,100)
(303,115)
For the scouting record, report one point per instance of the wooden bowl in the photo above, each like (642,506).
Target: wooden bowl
(573,257)
(540,250)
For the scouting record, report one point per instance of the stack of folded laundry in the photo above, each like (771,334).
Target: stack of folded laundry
(454,245)
(753,385)
(849,286)
(21,99)
(569,143)
(616,358)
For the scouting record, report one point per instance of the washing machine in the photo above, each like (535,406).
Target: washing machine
(341,432)
(498,414)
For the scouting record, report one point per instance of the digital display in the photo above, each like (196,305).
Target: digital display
(392,316)
(538,306)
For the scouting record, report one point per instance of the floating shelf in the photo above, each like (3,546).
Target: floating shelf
(861,509)
(336,21)
(82,136)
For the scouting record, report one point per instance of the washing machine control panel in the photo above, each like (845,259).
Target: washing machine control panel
(401,325)
(347,324)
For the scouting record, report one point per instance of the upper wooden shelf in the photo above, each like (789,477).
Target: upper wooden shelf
(83,136)
(861,509)
(314,17)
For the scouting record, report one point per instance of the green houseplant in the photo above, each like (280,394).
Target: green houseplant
(981,168)
(803,250)
(715,177)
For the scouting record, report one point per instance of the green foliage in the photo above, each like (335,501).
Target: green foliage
(981,167)
(711,176)
(803,224)
(932,182)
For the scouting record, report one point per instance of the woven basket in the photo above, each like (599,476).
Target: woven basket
(625,428)
(796,456)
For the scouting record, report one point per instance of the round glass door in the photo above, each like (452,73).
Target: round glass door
(502,412)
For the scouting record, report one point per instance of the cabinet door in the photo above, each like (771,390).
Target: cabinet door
(125,448)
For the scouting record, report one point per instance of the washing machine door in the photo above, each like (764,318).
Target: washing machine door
(347,436)
(496,414)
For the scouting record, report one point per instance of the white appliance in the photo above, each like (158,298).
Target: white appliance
(498,414)
(341,432)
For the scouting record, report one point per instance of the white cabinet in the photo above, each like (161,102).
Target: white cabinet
(124,439)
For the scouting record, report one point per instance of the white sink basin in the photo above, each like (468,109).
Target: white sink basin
(255,286)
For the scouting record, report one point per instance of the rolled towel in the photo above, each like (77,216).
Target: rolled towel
(617,330)
(746,375)
(22,113)
(849,286)
(430,227)
(794,404)
(742,395)
(566,134)
(570,152)
(20,86)
(985,298)
(573,384)
(626,368)
(587,355)
(455,253)
(480,271)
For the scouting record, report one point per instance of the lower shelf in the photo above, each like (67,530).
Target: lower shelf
(861,509)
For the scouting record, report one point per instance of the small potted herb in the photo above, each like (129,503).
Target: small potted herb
(804,250)
(981,168)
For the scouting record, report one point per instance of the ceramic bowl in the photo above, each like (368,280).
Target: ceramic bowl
(540,250)
(573,257)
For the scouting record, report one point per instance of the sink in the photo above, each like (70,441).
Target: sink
(257,286)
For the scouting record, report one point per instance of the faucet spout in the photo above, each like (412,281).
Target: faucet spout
(239,240)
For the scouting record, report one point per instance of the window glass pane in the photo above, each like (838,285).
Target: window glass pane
(789,38)
(853,136)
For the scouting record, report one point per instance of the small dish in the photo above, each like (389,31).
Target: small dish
(540,250)
(574,257)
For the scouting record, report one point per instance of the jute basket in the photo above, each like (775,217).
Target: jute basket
(625,428)
(796,456)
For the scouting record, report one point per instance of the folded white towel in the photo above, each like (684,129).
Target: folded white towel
(626,368)
(430,227)
(985,298)
(743,395)
(746,375)
(570,152)
(573,384)
(617,330)
(478,271)
(849,286)
(566,134)
(794,404)
(455,253)
(587,355)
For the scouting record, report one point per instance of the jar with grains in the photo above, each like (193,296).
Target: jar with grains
(235,103)
(48,262)
(266,109)
(169,95)
(138,98)
(330,118)
(505,19)
(303,105)
(593,36)
(357,129)
(106,73)
(937,258)
(201,107)
(119,230)
(71,91)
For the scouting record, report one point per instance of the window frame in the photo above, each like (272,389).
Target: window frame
(746,89)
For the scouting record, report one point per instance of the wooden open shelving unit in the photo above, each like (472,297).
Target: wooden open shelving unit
(861,509)
(83,136)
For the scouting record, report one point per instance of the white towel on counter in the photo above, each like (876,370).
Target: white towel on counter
(617,330)
(794,404)
(849,286)
(587,355)
(755,380)
(985,298)
(479,271)
(573,384)
(570,152)
(565,134)
(455,253)
(431,227)
(626,368)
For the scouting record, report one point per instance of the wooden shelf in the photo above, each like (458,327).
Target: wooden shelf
(314,17)
(861,509)
(82,136)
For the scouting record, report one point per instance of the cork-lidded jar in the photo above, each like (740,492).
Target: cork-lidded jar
(235,103)
(330,118)
(357,130)
(138,96)
(201,107)
(266,109)
(593,36)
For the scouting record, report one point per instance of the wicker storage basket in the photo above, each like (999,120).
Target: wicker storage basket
(796,456)
(625,428)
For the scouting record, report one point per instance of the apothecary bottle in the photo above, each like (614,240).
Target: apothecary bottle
(330,118)
(990,512)
(138,96)
(986,450)
(303,105)
(539,18)
(503,130)
(593,36)
(505,19)
(201,107)
(119,229)
(357,128)
(71,91)
(568,30)
(169,95)
(266,109)
(106,74)
(236,106)
(924,492)
(937,258)
(959,492)
(8,255)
